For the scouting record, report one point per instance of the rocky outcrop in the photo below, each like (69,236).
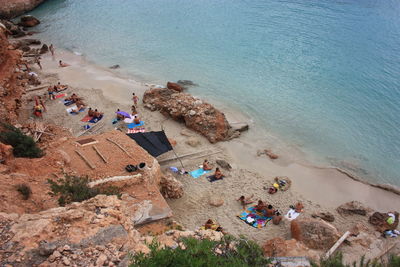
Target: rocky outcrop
(326,216)
(12,80)
(171,187)
(13,8)
(6,153)
(28,21)
(279,247)
(314,233)
(353,207)
(197,115)
(379,220)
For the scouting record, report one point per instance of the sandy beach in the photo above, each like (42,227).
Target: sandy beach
(319,189)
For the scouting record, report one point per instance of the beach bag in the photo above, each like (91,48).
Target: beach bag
(130,168)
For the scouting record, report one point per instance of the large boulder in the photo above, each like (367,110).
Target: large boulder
(28,21)
(171,187)
(10,9)
(197,115)
(353,207)
(314,233)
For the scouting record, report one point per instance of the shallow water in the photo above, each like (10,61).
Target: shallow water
(322,75)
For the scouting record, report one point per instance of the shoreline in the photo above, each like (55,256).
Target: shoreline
(301,157)
(233,116)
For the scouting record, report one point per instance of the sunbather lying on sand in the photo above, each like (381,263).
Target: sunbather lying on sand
(245,200)
(72,98)
(210,224)
(206,167)
(62,64)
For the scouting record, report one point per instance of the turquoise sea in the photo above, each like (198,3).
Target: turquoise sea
(322,75)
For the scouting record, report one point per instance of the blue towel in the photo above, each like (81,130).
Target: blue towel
(133,125)
(197,173)
(94,120)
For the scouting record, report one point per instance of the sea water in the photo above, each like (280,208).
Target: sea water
(322,75)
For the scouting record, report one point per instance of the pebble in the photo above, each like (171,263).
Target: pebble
(57,254)
(66,261)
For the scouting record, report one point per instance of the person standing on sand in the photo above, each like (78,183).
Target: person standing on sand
(37,61)
(51,48)
(135,99)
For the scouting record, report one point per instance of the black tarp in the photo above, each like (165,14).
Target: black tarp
(156,143)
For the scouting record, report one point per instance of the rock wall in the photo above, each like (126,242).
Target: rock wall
(196,114)
(11,80)
(13,8)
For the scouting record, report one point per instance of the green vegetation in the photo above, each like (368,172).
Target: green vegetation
(232,253)
(24,190)
(23,146)
(72,188)
(337,261)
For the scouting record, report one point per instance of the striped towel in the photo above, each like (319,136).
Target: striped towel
(136,130)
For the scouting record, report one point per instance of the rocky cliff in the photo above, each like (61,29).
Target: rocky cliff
(12,8)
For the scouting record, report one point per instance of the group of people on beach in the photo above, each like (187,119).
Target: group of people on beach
(53,89)
(218,175)
(134,116)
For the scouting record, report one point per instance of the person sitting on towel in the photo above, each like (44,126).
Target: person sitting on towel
(90,112)
(299,207)
(120,116)
(260,207)
(60,87)
(277,218)
(136,120)
(206,167)
(97,115)
(245,201)
(218,174)
(72,98)
(269,211)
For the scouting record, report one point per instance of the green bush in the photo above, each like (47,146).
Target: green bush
(202,253)
(336,260)
(24,190)
(23,146)
(72,188)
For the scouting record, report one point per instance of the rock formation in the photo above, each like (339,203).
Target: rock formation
(28,21)
(353,207)
(314,233)
(279,247)
(197,115)
(171,187)
(174,86)
(13,8)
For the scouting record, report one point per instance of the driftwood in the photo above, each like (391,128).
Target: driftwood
(100,155)
(37,88)
(114,179)
(337,244)
(383,253)
(196,154)
(85,160)
(118,145)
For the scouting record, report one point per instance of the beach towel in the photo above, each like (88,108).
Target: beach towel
(134,125)
(69,110)
(213,179)
(197,173)
(291,215)
(136,130)
(68,102)
(59,95)
(95,120)
(86,118)
(254,218)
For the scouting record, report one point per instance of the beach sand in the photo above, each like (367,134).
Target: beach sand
(320,189)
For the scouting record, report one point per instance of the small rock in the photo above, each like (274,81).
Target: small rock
(224,164)
(116,66)
(44,49)
(174,86)
(56,254)
(66,261)
(192,112)
(101,260)
(271,155)
(193,142)
(46,249)
(216,201)
(28,21)
(186,132)
(326,216)
(66,248)
(240,127)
